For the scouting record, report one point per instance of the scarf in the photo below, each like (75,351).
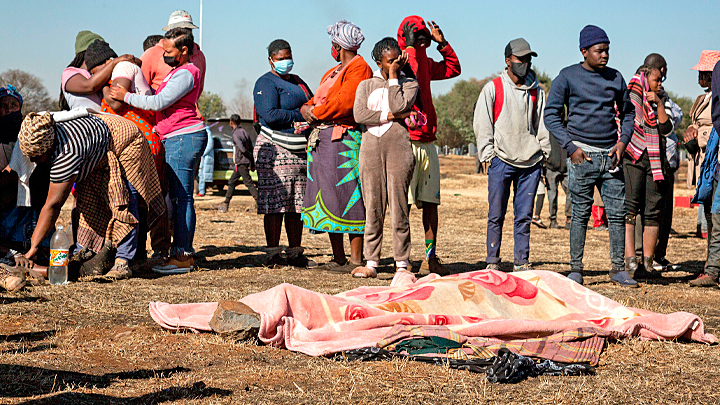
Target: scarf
(645,132)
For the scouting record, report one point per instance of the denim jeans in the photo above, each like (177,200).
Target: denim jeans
(182,153)
(128,247)
(583,178)
(207,163)
(502,176)
(556,179)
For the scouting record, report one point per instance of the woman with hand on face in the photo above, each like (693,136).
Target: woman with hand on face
(280,156)
(645,168)
(182,133)
(384,104)
(80,88)
(333,200)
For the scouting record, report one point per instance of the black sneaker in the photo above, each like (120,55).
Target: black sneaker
(553,224)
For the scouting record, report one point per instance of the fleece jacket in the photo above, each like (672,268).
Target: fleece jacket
(518,137)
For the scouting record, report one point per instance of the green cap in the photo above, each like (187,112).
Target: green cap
(84,39)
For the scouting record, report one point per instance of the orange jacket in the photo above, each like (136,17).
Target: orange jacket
(338,108)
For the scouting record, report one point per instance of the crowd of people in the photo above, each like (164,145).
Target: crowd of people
(131,141)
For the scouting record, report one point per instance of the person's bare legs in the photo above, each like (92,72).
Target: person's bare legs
(630,240)
(356,247)
(430,223)
(338,248)
(650,237)
(293,228)
(273,227)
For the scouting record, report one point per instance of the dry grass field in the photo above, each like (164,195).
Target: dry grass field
(95,342)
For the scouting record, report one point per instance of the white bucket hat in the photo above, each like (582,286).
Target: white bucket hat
(180,19)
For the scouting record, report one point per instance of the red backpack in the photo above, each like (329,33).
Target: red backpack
(500,98)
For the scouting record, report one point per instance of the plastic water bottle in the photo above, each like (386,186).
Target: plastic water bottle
(59,256)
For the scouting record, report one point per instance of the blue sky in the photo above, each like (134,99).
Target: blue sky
(39,36)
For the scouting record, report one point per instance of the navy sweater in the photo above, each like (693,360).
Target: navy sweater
(278,101)
(715,87)
(590,98)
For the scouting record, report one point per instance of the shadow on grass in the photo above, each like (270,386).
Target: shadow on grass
(28,336)
(12,300)
(23,381)
(196,391)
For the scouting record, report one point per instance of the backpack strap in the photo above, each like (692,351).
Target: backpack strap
(499,98)
(534,97)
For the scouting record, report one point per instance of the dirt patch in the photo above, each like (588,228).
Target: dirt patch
(96,343)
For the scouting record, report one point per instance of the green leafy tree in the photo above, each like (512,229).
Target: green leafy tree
(211,105)
(455,111)
(685,104)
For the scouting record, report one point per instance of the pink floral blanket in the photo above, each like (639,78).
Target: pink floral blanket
(484,303)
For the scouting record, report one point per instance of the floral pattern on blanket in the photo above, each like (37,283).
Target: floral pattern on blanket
(480,304)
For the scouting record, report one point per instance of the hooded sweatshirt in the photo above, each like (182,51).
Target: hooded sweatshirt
(518,137)
(425,70)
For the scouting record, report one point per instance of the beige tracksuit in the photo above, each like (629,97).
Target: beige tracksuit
(386,163)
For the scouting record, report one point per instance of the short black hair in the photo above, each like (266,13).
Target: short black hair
(235,119)
(182,37)
(277,46)
(151,41)
(384,45)
(655,60)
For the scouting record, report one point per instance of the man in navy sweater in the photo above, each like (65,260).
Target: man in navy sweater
(594,95)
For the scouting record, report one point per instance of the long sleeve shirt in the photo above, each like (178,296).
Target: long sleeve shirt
(427,70)
(591,98)
(715,87)
(180,84)
(278,101)
(338,107)
(242,148)
(518,137)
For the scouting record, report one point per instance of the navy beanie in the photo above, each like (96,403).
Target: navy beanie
(591,35)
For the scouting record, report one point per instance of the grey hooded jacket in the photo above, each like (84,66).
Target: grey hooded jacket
(519,137)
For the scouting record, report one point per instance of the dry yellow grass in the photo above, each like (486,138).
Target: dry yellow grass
(96,343)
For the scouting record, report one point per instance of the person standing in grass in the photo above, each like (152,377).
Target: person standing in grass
(594,95)
(712,270)
(414,38)
(511,135)
(384,105)
(244,162)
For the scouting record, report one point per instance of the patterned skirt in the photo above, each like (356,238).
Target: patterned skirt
(282,177)
(333,201)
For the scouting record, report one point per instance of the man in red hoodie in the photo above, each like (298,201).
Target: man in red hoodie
(414,37)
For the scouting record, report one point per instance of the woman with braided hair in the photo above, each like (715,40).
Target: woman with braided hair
(384,104)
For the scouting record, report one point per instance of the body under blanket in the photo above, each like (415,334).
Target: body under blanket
(481,304)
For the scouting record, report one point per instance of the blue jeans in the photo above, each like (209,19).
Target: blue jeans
(501,176)
(583,178)
(128,247)
(182,153)
(207,163)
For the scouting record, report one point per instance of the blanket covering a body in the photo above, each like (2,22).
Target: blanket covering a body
(481,304)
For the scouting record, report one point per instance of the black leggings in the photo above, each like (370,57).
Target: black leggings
(643,195)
